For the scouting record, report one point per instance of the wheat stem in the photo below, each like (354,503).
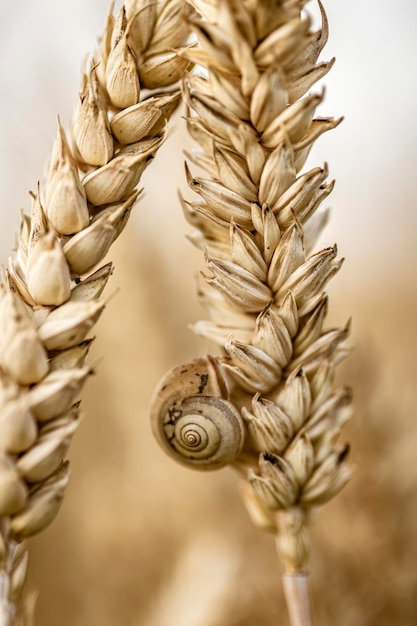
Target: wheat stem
(6,607)
(297,597)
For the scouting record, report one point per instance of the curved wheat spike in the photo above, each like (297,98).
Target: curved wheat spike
(51,294)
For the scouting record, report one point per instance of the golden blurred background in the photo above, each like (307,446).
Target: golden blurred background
(140,541)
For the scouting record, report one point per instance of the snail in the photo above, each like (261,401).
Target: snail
(192,420)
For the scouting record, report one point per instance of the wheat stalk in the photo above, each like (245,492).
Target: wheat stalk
(267,405)
(51,294)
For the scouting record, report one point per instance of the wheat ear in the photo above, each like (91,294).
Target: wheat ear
(267,405)
(51,296)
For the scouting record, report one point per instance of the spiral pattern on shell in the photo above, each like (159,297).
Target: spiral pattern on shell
(191,420)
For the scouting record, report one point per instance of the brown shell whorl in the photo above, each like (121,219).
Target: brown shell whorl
(192,420)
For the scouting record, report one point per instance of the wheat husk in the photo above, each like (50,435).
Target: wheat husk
(253,115)
(51,294)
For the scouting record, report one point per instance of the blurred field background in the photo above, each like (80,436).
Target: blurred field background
(140,541)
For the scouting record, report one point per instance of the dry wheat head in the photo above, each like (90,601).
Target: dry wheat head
(257,218)
(51,294)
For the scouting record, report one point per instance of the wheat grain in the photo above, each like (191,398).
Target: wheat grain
(257,220)
(50,300)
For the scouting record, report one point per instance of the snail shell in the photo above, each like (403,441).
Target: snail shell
(192,421)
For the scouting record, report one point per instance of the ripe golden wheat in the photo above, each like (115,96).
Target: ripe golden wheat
(51,294)
(266,405)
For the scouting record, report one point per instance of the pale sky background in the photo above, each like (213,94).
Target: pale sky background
(372,154)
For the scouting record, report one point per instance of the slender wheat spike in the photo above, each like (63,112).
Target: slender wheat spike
(267,405)
(50,300)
